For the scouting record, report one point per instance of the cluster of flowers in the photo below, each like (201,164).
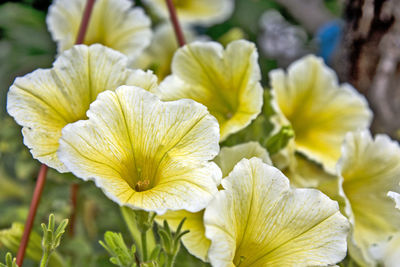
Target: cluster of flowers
(154,145)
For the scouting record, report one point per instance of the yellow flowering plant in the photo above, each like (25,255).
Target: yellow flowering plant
(227,81)
(113,23)
(144,153)
(320,111)
(201,12)
(46,100)
(240,173)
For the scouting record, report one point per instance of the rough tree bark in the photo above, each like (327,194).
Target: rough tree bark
(370,58)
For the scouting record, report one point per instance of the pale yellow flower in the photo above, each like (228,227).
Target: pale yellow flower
(228,157)
(368,169)
(319,110)
(201,12)
(144,153)
(195,241)
(307,173)
(387,253)
(226,81)
(396,198)
(158,55)
(258,220)
(113,23)
(46,100)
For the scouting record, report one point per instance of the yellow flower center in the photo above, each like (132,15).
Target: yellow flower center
(141,174)
(142,185)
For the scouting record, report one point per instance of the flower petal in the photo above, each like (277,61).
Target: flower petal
(228,157)
(145,153)
(158,56)
(320,111)
(368,170)
(227,82)
(387,253)
(113,23)
(396,198)
(259,221)
(195,241)
(46,100)
(202,12)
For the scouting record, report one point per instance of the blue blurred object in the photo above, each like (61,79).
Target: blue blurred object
(328,37)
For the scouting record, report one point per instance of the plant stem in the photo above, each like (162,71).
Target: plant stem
(170,260)
(79,40)
(32,213)
(45,259)
(175,22)
(43,169)
(85,21)
(143,236)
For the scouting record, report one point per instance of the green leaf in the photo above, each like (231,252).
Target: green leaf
(279,140)
(121,255)
(10,261)
(11,238)
(129,216)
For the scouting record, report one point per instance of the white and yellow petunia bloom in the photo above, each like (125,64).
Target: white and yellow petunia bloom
(158,55)
(144,153)
(113,23)
(319,110)
(368,169)
(195,241)
(46,100)
(387,253)
(396,198)
(201,12)
(258,220)
(305,173)
(226,81)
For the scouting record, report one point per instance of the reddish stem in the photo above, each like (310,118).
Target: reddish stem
(85,21)
(32,213)
(79,40)
(175,22)
(43,169)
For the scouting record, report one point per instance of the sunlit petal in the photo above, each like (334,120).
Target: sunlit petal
(258,220)
(195,241)
(228,157)
(144,153)
(202,12)
(158,55)
(227,81)
(46,100)
(320,110)
(113,23)
(369,169)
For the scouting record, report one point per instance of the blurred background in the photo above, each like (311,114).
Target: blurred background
(360,39)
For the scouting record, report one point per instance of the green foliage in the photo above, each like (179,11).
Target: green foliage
(130,218)
(10,261)
(121,255)
(171,242)
(19,23)
(51,238)
(279,140)
(11,238)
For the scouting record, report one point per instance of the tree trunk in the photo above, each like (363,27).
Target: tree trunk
(370,58)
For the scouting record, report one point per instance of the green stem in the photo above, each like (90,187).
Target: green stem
(170,260)
(130,220)
(143,236)
(45,259)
